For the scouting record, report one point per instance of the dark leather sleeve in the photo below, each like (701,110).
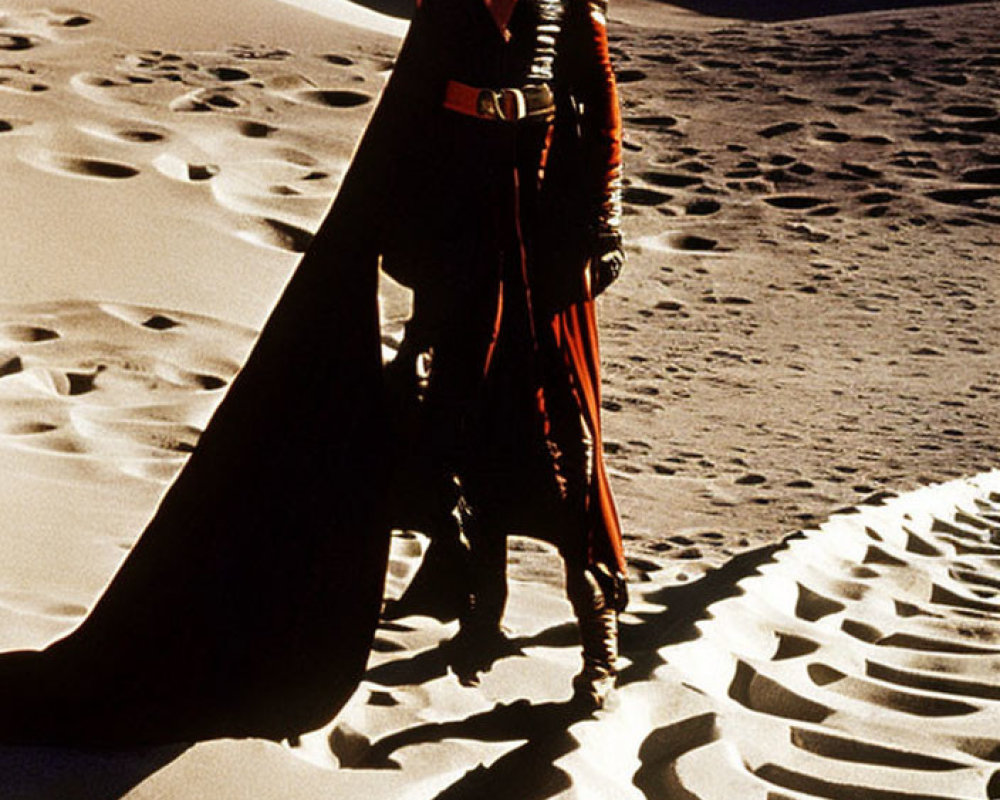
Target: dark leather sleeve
(592,83)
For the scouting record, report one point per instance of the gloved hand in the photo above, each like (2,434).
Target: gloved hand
(607,260)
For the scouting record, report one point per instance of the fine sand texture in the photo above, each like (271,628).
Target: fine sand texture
(806,331)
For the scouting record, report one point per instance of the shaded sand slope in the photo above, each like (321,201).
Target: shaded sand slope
(385,16)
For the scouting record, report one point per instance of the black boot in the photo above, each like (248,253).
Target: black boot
(480,640)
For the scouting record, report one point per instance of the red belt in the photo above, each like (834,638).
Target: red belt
(504,105)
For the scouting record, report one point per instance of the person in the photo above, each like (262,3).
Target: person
(506,229)
(248,605)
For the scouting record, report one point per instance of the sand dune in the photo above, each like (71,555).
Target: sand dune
(811,315)
(372,15)
(774,10)
(853,660)
(807,324)
(248,141)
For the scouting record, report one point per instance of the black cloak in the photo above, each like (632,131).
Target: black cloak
(248,605)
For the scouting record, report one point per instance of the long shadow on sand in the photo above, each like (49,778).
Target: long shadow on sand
(528,772)
(683,606)
(31,773)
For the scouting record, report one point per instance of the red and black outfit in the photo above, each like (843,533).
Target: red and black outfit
(248,605)
(503,190)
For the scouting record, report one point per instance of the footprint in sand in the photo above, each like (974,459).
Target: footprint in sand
(104,89)
(180,170)
(671,180)
(81,166)
(229,74)
(835,137)
(26,333)
(201,100)
(779,129)
(20,79)
(660,122)
(332,98)
(794,202)
(121,385)
(338,60)
(987,175)
(640,196)
(629,75)
(10,366)
(14,43)
(50,18)
(275,234)
(964,196)
(702,207)
(256,130)
(127,133)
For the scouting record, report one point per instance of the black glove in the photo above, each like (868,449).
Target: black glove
(607,260)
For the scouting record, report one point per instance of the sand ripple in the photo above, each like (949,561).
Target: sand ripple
(125,386)
(857,660)
(862,661)
(251,124)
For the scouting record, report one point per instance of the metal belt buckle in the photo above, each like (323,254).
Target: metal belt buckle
(486,103)
(538,99)
(507,105)
(514,105)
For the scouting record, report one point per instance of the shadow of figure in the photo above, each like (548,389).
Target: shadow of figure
(683,607)
(431,664)
(527,773)
(779,10)
(30,773)
(686,604)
